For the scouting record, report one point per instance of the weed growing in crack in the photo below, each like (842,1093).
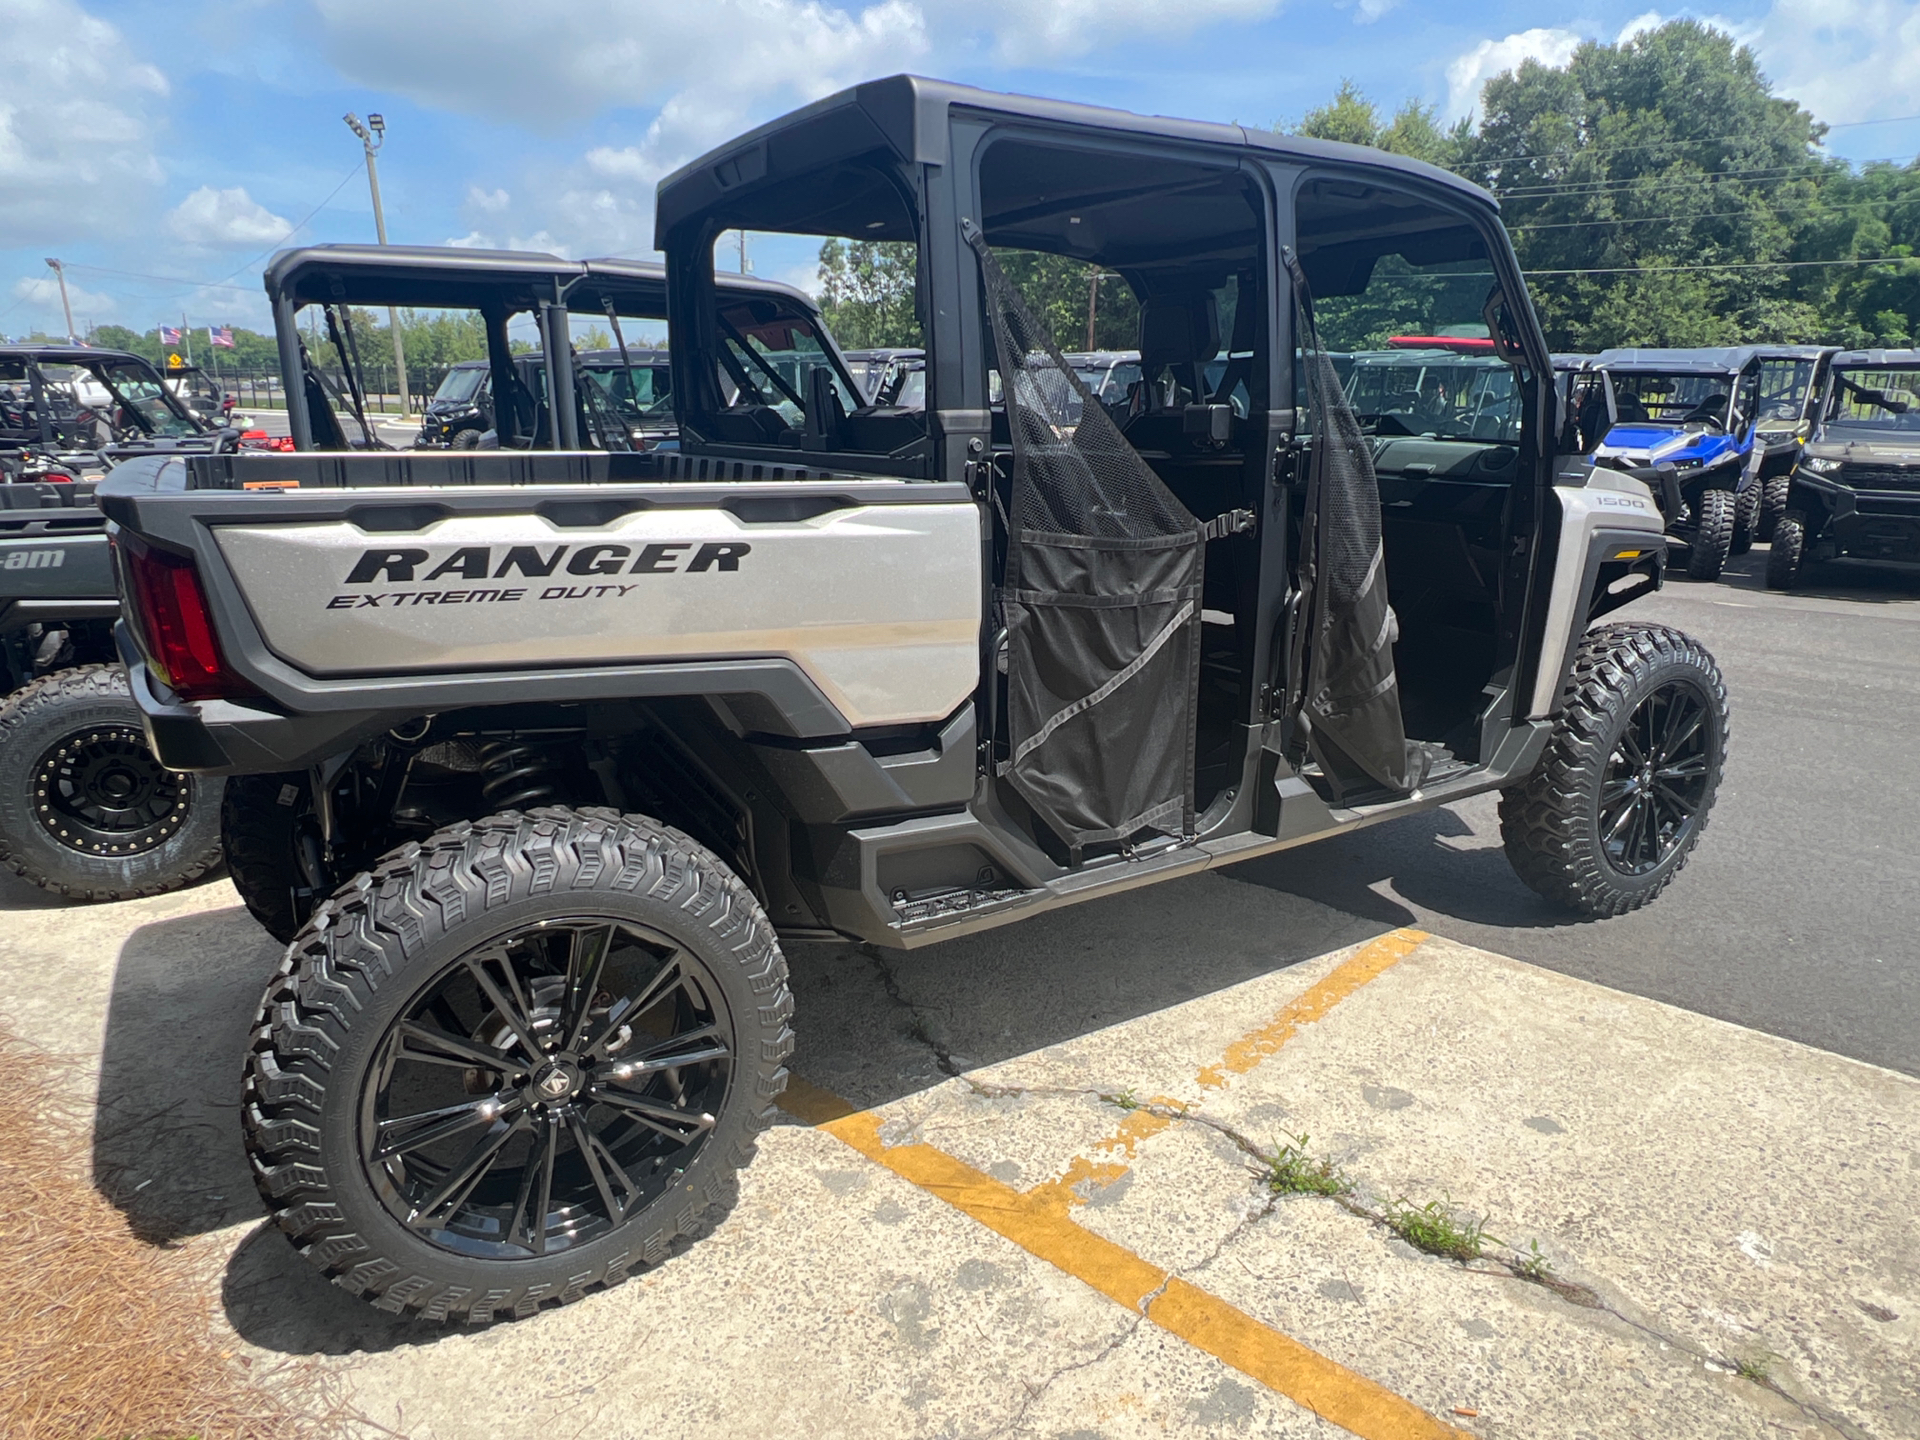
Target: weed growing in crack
(1434,1228)
(1533,1265)
(1124,1100)
(1291,1171)
(1757,1368)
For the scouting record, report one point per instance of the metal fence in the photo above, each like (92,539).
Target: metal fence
(259,389)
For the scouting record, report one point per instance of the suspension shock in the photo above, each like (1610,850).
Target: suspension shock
(515,774)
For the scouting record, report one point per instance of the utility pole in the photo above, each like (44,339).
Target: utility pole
(371,142)
(743,252)
(66,309)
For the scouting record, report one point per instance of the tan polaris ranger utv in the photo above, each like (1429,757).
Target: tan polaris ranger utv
(570,741)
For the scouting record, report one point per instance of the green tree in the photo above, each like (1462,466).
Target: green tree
(866,293)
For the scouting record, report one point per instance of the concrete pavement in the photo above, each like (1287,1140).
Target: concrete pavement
(1074,1235)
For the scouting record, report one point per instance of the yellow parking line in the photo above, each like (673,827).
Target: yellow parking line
(1366,964)
(1205,1321)
(1038,1221)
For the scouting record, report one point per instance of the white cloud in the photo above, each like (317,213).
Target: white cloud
(222,218)
(1368,11)
(78,117)
(492,202)
(472,240)
(1472,70)
(1027,32)
(1843,59)
(1639,25)
(39,298)
(551,66)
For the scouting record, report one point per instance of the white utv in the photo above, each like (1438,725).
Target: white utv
(559,746)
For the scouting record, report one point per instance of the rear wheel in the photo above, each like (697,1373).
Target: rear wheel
(1746,519)
(515,1062)
(1620,798)
(1789,553)
(85,807)
(273,848)
(1712,536)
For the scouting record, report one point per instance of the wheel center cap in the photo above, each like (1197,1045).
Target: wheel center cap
(554,1084)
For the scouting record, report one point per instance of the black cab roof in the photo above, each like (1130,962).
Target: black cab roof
(447,277)
(909,115)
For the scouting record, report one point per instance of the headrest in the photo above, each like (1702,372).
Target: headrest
(1179,329)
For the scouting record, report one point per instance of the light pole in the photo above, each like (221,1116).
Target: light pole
(371,142)
(1093,299)
(66,309)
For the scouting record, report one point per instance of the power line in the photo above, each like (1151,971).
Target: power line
(1575,187)
(1598,149)
(1774,210)
(1729,265)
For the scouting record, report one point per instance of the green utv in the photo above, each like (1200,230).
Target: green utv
(560,746)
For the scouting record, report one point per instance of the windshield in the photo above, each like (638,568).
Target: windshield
(1875,399)
(139,390)
(640,394)
(462,383)
(770,362)
(1440,394)
(1783,391)
(1641,398)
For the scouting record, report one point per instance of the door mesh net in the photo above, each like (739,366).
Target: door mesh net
(1102,603)
(1349,697)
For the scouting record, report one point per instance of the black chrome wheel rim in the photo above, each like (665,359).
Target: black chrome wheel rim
(100,791)
(545,1088)
(1656,780)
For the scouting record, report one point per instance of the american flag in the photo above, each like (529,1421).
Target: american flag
(169,335)
(221,335)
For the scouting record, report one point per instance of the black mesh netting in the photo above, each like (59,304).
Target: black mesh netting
(1349,697)
(1102,603)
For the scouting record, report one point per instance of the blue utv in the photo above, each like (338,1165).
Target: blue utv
(1683,422)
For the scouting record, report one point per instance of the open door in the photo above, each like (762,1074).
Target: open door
(1343,691)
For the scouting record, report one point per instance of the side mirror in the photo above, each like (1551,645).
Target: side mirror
(1505,335)
(1207,424)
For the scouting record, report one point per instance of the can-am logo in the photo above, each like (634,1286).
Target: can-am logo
(409,565)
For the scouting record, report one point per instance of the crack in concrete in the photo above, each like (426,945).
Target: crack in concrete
(1521,1268)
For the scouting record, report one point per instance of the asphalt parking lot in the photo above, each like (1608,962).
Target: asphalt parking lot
(1026,1182)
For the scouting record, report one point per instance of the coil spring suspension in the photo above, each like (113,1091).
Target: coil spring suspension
(515,775)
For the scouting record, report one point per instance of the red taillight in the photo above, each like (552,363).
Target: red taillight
(176,628)
(57,478)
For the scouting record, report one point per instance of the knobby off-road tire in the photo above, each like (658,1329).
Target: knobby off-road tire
(1712,536)
(264,822)
(468,439)
(85,808)
(1773,503)
(457,998)
(1788,557)
(1618,801)
(1746,519)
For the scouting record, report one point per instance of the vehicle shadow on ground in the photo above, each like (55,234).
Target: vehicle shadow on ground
(1426,867)
(166,1146)
(18,894)
(1859,581)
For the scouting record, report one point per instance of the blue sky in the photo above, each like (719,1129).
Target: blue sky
(164,150)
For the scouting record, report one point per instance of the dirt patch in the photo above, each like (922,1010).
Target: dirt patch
(104,1336)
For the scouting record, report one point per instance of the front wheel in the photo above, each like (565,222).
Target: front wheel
(1773,503)
(1618,801)
(515,1062)
(1712,536)
(86,809)
(1789,553)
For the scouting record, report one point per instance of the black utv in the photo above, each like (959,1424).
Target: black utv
(1855,493)
(85,808)
(552,750)
(460,410)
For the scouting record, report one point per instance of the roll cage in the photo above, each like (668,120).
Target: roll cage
(48,416)
(501,285)
(1200,220)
